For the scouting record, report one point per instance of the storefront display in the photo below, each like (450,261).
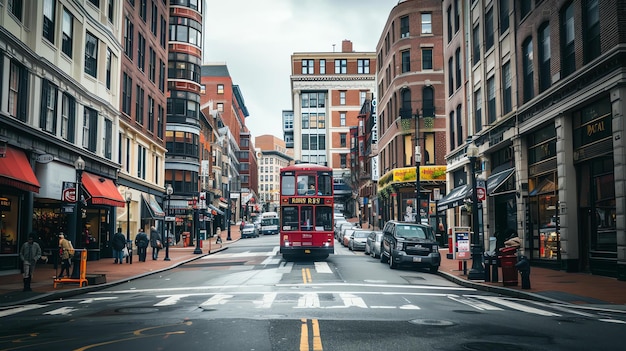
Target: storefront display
(8,225)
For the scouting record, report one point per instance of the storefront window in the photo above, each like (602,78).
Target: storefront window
(8,225)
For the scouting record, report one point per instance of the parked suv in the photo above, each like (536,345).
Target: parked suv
(409,244)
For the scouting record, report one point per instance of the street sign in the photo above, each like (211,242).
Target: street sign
(481,194)
(170,219)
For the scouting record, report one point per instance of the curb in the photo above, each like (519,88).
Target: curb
(87,289)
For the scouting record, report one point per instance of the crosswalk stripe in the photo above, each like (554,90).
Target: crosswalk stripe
(477,304)
(308,300)
(171,300)
(517,306)
(19,309)
(217,299)
(322,267)
(62,310)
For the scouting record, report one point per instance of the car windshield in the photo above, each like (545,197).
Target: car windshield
(412,231)
(249,226)
(361,234)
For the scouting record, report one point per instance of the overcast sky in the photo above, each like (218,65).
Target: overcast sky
(255,38)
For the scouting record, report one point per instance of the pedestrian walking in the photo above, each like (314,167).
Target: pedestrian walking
(29,254)
(66,250)
(142,241)
(118,243)
(156,242)
(218,233)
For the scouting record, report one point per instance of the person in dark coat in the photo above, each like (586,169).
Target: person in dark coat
(118,242)
(156,242)
(29,254)
(142,241)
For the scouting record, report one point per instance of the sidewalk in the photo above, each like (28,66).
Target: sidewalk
(546,284)
(42,285)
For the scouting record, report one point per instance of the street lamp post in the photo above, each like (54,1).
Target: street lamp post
(79,165)
(418,160)
(196,228)
(129,198)
(168,191)
(228,210)
(478,271)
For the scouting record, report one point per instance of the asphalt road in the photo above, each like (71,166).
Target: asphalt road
(248,298)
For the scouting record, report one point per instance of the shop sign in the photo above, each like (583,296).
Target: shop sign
(45,158)
(68,193)
(5,204)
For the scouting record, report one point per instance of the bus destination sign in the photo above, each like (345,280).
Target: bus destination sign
(305,201)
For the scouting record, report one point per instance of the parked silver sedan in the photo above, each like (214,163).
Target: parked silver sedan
(372,244)
(357,239)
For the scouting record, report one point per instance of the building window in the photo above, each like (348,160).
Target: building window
(68,29)
(127,92)
(491,100)
(91,55)
(449,20)
(428,102)
(143,9)
(139,105)
(478,114)
(163,32)
(427,23)
(68,117)
(90,129)
(342,140)
(342,98)
(305,120)
(489,29)
(220,107)
(427,59)
(343,161)
(95,3)
(161,76)
(15,8)
(220,88)
(141,162)
(476,45)
(111,11)
(141,52)
(363,66)
(452,131)
(342,119)
(544,57)
(507,104)
(591,32)
(341,66)
(406,61)
(48,118)
(457,57)
(450,77)
(48,20)
(457,19)
(308,67)
(128,38)
(404,27)
(160,122)
(524,8)
(362,97)
(152,65)
(504,15)
(154,19)
(108,68)
(459,126)
(528,70)
(568,51)
(322,66)
(108,138)
(18,91)
(151,109)
(305,141)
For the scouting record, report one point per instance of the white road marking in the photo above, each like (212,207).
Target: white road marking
(171,300)
(608,320)
(477,304)
(217,299)
(97,299)
(517,306)
(409,307)
(19,309)
(322,267)
(308,300)
(62,311)
(266,301)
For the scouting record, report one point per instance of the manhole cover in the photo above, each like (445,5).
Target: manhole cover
(432,322)
(137,310)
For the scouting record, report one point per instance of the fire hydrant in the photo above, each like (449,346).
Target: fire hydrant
(523,266)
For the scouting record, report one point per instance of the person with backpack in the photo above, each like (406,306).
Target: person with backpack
(142,241)
(118,243)
(66,251)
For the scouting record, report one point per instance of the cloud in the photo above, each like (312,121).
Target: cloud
(257,38)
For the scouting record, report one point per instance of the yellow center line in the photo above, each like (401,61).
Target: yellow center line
(304,335)
(306,276)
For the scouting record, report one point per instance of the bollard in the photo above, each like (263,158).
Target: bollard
(487,261)
(523,266)
(494,269)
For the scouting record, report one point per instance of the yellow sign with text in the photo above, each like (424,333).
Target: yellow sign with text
(305,201)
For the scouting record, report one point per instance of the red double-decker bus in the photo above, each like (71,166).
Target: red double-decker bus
(306,211)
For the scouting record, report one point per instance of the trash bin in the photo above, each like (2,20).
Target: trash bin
(76,265)
(508,260)
(186,239)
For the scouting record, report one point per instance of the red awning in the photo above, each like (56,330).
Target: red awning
(15,171)
(102,190)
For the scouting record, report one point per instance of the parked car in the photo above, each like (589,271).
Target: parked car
(340,228)
(357,239)
(345,235)
(372,244)
(249,231)
(409,244)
